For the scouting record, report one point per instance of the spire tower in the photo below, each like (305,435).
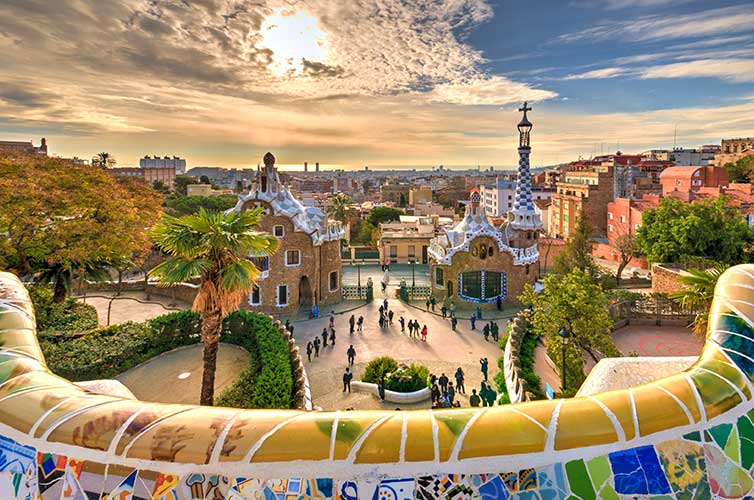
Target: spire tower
(524,215)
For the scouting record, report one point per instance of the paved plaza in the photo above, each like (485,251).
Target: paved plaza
(651,340)
(131,306)
(397,272)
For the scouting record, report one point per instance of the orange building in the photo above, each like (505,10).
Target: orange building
(690,179)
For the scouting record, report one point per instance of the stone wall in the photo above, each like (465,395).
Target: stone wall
(665,278)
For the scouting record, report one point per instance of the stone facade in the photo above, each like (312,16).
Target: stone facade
(665,278)
(306,269)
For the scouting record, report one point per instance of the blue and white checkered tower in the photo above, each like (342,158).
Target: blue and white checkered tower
(524,215)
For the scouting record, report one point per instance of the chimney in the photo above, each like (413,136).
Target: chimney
(306,167)
(316,167)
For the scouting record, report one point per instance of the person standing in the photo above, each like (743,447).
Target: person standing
(424,333)
(433,301)
(451,393)
(332,319)
(453,323)
(486,332)
(460,381)
(347,377)
(309,350)
(351,353)
(384,303)
(288,325)
(474,400)
(332,336)
(402,321)
(484,366)
(316,347)
(381,387)
(452,309)
(390,317)
(382,310)
(473,321)
(495,332)
(491,395)
(324,337)
(444,311)
(351,324)
(499,302)
(483,394)
(360,324)
(427,304)
(443,382)
(435,393)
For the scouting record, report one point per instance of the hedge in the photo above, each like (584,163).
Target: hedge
(399,378)
(106,352)
(67,317)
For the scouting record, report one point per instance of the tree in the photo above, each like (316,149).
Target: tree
(214,247)
(365,231)
(628,249)
(384,214)
(697,296)
(578,251)
(180,183)
(576,302)
(204,180)
(178,206)
(340,207)
(160,187)
(103,160)
(61,221)
(710,229)
(742,170)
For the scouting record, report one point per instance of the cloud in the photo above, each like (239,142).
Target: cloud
(597,73)
(489,91)
(317,69)
(735,70)
(623,4)
(721,21)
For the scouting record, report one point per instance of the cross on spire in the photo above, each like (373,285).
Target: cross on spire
(525,108)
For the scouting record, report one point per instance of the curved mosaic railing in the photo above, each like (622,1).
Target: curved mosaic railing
(685,436)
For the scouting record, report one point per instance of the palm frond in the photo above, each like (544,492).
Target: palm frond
(239,276)
(179,270)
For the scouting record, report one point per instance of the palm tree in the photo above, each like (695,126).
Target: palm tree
(697,296)
(103,160)
(214,247)
(340,207)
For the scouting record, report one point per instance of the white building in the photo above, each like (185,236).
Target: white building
(498,200)
(165,162)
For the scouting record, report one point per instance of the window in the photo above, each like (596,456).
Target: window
(255,298)
(411,251)
(565,217)
(610,215)
(262,263)
(610,227)
(278,231)
(393,251)
(282,295)
(333,281)
(527,269)
(623,218)
(439,276)
(292,258)
(483,252)
(696,183)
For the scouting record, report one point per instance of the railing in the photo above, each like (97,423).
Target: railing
(354,292)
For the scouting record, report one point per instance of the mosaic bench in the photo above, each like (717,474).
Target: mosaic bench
(687,436)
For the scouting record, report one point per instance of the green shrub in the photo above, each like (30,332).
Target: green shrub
(107,352)
(377,368)
(67,317)
(407,378)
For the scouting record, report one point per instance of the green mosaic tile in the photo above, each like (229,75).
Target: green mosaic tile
(693,436)
(599,469)
(746,436)
(579,480)
(731,447)
(720,434)
(607,492)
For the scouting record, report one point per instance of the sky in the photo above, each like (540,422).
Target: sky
(373,82)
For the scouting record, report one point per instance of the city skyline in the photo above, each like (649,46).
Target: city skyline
(380,84)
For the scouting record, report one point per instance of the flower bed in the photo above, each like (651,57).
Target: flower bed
(398,378)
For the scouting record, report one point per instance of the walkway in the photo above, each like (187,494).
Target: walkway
(124,309)
(651,340)
(176,376)
(445,351)
(397,272)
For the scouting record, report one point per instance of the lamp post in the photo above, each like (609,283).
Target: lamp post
(413,275)
(358,278)
(564,336)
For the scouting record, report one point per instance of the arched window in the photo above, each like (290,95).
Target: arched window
(491,251)
(483,251)
(439,276)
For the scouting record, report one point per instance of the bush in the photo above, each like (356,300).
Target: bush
(67,317)
(107,352)
(407,378)
(377,368)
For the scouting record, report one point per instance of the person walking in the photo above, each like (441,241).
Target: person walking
(324,337)
(444,311)
(495,331)
(351,324)
(473,321)
(483,394)
(474,400)
(411,328)
(451,393)
(453,323)
(452,309)
(360,324)
(460,381)
(332,336)
(443,380)
(424,333)
(427,304)
(491,395)
(316,347)
(390,317)
(381,321)
(384,303)
(499,302)
(347,377)
(309,350)
(332,319)
(382,309)
(432,302)
(402,321)
(486,332)
(351,353)
(484,367)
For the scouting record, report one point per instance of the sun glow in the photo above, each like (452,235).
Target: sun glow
(293,36)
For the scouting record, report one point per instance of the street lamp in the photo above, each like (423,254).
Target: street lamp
(358,278)
(564,336)
(413,275)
